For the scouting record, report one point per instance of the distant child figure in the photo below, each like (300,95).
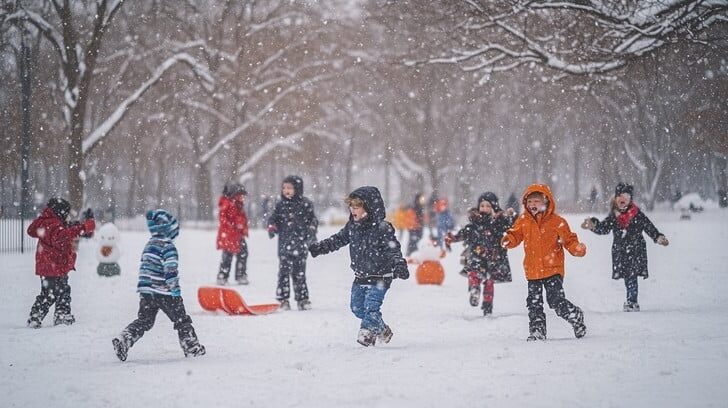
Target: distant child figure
(376,258)
(445,221)
(55,258)
(626,222)
(232,233)
(158,288)
(545,235)
(486,260)
(296,224)
(416,229)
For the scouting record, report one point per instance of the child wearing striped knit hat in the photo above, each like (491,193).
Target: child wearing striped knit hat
(158,288)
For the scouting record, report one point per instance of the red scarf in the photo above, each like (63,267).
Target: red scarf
(624,218)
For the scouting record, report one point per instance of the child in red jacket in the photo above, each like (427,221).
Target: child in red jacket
(232,233)
(55,258)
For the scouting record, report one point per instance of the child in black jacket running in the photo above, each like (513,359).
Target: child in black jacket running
(376,258)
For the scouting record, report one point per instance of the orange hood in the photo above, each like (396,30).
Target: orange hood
(546,191)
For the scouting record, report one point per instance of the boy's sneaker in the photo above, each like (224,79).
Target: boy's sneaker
(366,337)
(242,280)
(579,326)
(474,296)
(386,335)
(120,348)
(631,306)
(304,304)
(195,350)
(463,273)
(285,305)
(221,279)
(536,335)
(66,319)
(487,308)
(34,324)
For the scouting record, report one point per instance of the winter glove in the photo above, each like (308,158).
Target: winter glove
(315,249)
(663,241)
(401,272)
(580,250)
(588,224)
(449,239)
(272,229)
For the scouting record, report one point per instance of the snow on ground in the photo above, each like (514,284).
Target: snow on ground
(444,354)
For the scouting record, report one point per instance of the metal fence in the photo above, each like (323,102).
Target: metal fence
(13,237)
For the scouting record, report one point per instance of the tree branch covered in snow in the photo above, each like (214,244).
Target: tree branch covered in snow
(567,37)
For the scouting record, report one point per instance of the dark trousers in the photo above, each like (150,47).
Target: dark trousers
(173,307)
(630,284)
(415,235)
(241,264)
(292,268)
(556,300)
(52,290)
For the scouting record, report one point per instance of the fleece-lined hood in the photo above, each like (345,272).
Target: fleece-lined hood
(373,202)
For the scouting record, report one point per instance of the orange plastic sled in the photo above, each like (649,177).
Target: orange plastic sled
(229,300)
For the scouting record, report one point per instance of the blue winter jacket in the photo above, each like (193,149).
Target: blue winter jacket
(373,247)
(158,270)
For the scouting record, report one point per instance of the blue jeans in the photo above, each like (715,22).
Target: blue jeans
(632,289)
(366,302)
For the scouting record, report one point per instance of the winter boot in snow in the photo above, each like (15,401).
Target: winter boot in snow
(579,326)
(34,323)
(386,335)
(536,335)
(366,337)
(121,346)
(487,308)
(66,319)
(474,288)
(192,347)
(242,280)
(285,305)
(631,306)
(221,279)
(304,304)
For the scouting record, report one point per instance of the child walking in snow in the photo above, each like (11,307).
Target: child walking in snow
(545,235)
(55,258)
(232,233)
(295,223)
(376,258)
(486,261)
(158,288)
(445,221)
(627,222)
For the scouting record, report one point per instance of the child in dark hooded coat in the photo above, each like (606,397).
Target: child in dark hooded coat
(376,258)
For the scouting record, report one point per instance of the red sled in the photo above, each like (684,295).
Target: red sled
(229,300)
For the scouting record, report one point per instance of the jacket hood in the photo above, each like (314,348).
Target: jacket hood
(162,224)
(491,198)
(373,201)
(297,185)
(546,191)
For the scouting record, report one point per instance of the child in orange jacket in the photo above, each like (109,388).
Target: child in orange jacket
(545,234)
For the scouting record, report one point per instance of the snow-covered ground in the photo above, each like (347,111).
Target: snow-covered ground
(444,353)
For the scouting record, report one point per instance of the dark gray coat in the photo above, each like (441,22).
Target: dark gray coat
(629,250)
(295,221)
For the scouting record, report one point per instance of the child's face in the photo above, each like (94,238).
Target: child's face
(485,208)
(622,201)
(240,198)
(535,204)
(288,190)
(358,212)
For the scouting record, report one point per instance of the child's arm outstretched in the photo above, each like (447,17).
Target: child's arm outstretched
(652,231)
(514,236)
(331,243)
(603,227)
(570,240)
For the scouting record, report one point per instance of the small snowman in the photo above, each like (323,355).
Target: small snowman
(108,252)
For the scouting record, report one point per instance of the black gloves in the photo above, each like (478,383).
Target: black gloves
(401,272)
(315,249)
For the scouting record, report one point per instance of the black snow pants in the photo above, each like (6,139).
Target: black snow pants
(173,307)
(556,300)
(52,290)
(292,267)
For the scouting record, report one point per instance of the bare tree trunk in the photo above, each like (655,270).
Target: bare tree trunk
(203,193)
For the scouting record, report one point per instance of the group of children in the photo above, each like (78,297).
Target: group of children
(375,252)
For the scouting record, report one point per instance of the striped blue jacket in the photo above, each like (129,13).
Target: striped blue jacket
(158,271)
